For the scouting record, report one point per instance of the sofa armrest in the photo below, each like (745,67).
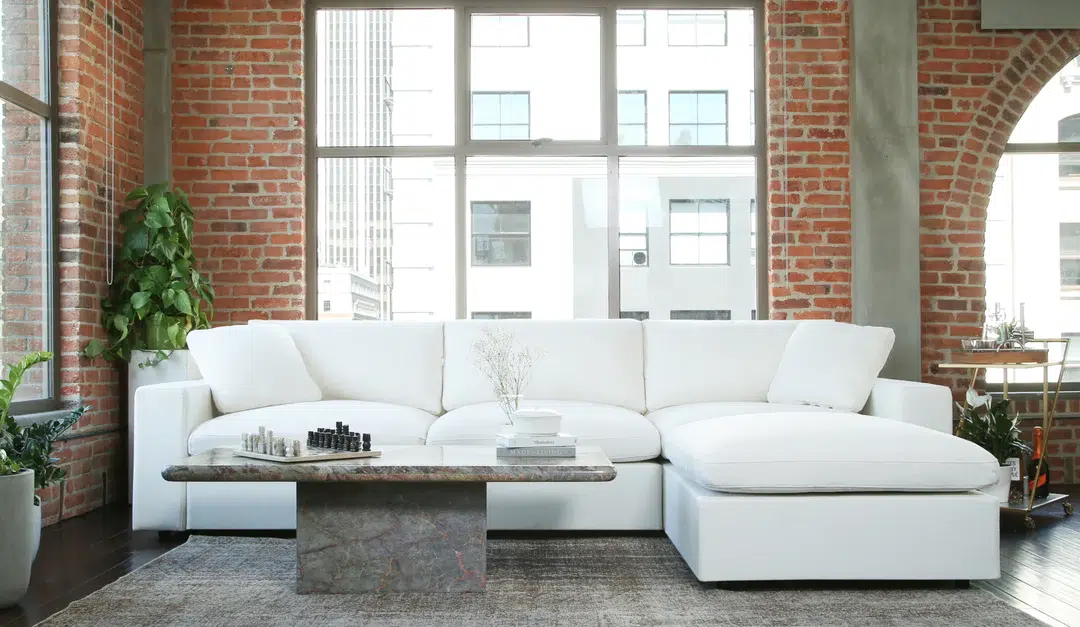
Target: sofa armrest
(165,416)
(922,404)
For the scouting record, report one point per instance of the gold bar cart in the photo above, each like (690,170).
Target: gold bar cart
(1027,359)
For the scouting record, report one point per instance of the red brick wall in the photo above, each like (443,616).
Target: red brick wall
(973,87)
(93,462)
(238,146)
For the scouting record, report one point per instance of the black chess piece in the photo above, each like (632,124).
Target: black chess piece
(367,442)
(338,430)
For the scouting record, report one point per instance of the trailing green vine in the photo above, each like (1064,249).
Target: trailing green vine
(157,295)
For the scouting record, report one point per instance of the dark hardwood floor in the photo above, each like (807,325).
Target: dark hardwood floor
(1040,569)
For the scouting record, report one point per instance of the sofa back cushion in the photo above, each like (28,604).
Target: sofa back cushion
(248,367)
(598,361)
(691,361)
(383,362)
(831,364)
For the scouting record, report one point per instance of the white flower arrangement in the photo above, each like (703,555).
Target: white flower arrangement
(506,365)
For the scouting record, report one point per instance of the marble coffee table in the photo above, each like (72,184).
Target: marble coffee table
(413,520)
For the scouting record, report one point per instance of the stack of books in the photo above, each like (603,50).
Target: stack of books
(519,445)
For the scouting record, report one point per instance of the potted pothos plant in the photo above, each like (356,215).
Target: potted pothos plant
(157,295)
(26,466)
(987,421)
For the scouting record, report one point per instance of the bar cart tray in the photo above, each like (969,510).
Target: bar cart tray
(1004,356)
(1017,507)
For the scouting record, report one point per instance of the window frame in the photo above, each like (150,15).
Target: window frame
(463,147)
(644,123)
(644,29)
(528,31)
(47,108)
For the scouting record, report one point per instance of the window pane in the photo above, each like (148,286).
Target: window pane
(684,108)
(486,108)
(1052,115)
(1070,272)
(630,28)
(515,108)
(364,57)
(1070,238)
(562,58)
(21,52)
(689,206)
(385,233)
(24,272)
(683,135)
(631,107)
(557,267)
(500,30)
(712,108)
(632,134)
(711,135)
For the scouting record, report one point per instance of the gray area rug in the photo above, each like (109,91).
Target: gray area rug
(559,582)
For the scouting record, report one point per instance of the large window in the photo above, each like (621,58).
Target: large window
(697,118)
(1032,249)
(28,195)
(496,159)
(701,314)
(501,233)
(699,232)
(500,115)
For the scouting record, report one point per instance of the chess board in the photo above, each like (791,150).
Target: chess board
(313,455)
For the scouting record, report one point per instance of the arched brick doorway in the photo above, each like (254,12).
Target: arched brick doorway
(973,88)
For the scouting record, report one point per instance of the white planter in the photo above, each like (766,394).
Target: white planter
(537,422)
(35,520)
(178,367)
(1001,488)
(16,535)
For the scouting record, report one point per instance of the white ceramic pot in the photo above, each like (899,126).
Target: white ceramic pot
(1001,488)
(35,520)
(16,535)
(537,422)
(178,367)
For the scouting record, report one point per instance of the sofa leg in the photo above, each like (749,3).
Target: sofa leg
(173,536)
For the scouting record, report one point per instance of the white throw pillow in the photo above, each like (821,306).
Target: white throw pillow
(251,366)
(831,364)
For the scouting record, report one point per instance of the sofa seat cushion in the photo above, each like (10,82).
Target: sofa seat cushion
(800,452)
(669,419)
(387,424)
(623,435)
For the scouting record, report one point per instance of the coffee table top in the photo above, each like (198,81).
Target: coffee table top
(398,463)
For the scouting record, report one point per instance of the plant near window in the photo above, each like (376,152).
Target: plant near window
(158,295)
(507,366)
(30,446)
(986,422)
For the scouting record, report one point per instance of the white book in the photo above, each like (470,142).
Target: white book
(518,440)
(537,451)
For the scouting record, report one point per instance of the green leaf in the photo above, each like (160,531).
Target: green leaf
(140,300)
(183,303)
(137,193)
(130,218)
(157,217)
(94,349)
(137,240)
(168,297)
(121,324)
(174,333)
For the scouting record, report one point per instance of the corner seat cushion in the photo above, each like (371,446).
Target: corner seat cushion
(669,419)
(623,435)
(800,452)
(388,424)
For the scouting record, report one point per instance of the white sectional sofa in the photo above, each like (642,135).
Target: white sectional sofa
(681,407)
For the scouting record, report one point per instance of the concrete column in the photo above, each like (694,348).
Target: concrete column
(885,176)
(157,55)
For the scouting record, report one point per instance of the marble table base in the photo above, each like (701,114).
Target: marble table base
(391,537)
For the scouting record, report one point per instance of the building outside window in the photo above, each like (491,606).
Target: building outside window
(697,28)
(500,31)
(630,27)
(634,315)
(632,116)
(701,314)
(697,118)
(501,315)
(501,233)
(500,115)
(699,232)
(1070,256)
(753,233)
